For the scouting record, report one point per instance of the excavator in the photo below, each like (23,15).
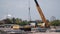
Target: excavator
(41,14)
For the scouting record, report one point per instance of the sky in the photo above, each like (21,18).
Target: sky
(19,9)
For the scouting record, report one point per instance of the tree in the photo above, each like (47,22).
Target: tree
(52,18)
(23,23)
(7,21)
(13,20)
(55,23)
(18,21)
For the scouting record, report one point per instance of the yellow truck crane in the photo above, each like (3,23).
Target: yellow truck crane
(41,14)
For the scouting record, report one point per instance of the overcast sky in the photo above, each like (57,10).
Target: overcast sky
(19,9)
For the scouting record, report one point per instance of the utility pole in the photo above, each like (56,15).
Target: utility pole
(29,11)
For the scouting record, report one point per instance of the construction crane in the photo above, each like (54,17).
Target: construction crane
(41,14)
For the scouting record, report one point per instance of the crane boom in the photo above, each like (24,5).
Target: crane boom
(41,14)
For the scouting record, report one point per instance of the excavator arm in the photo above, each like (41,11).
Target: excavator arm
(41,14)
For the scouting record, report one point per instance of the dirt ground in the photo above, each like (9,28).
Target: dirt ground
(46,33)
